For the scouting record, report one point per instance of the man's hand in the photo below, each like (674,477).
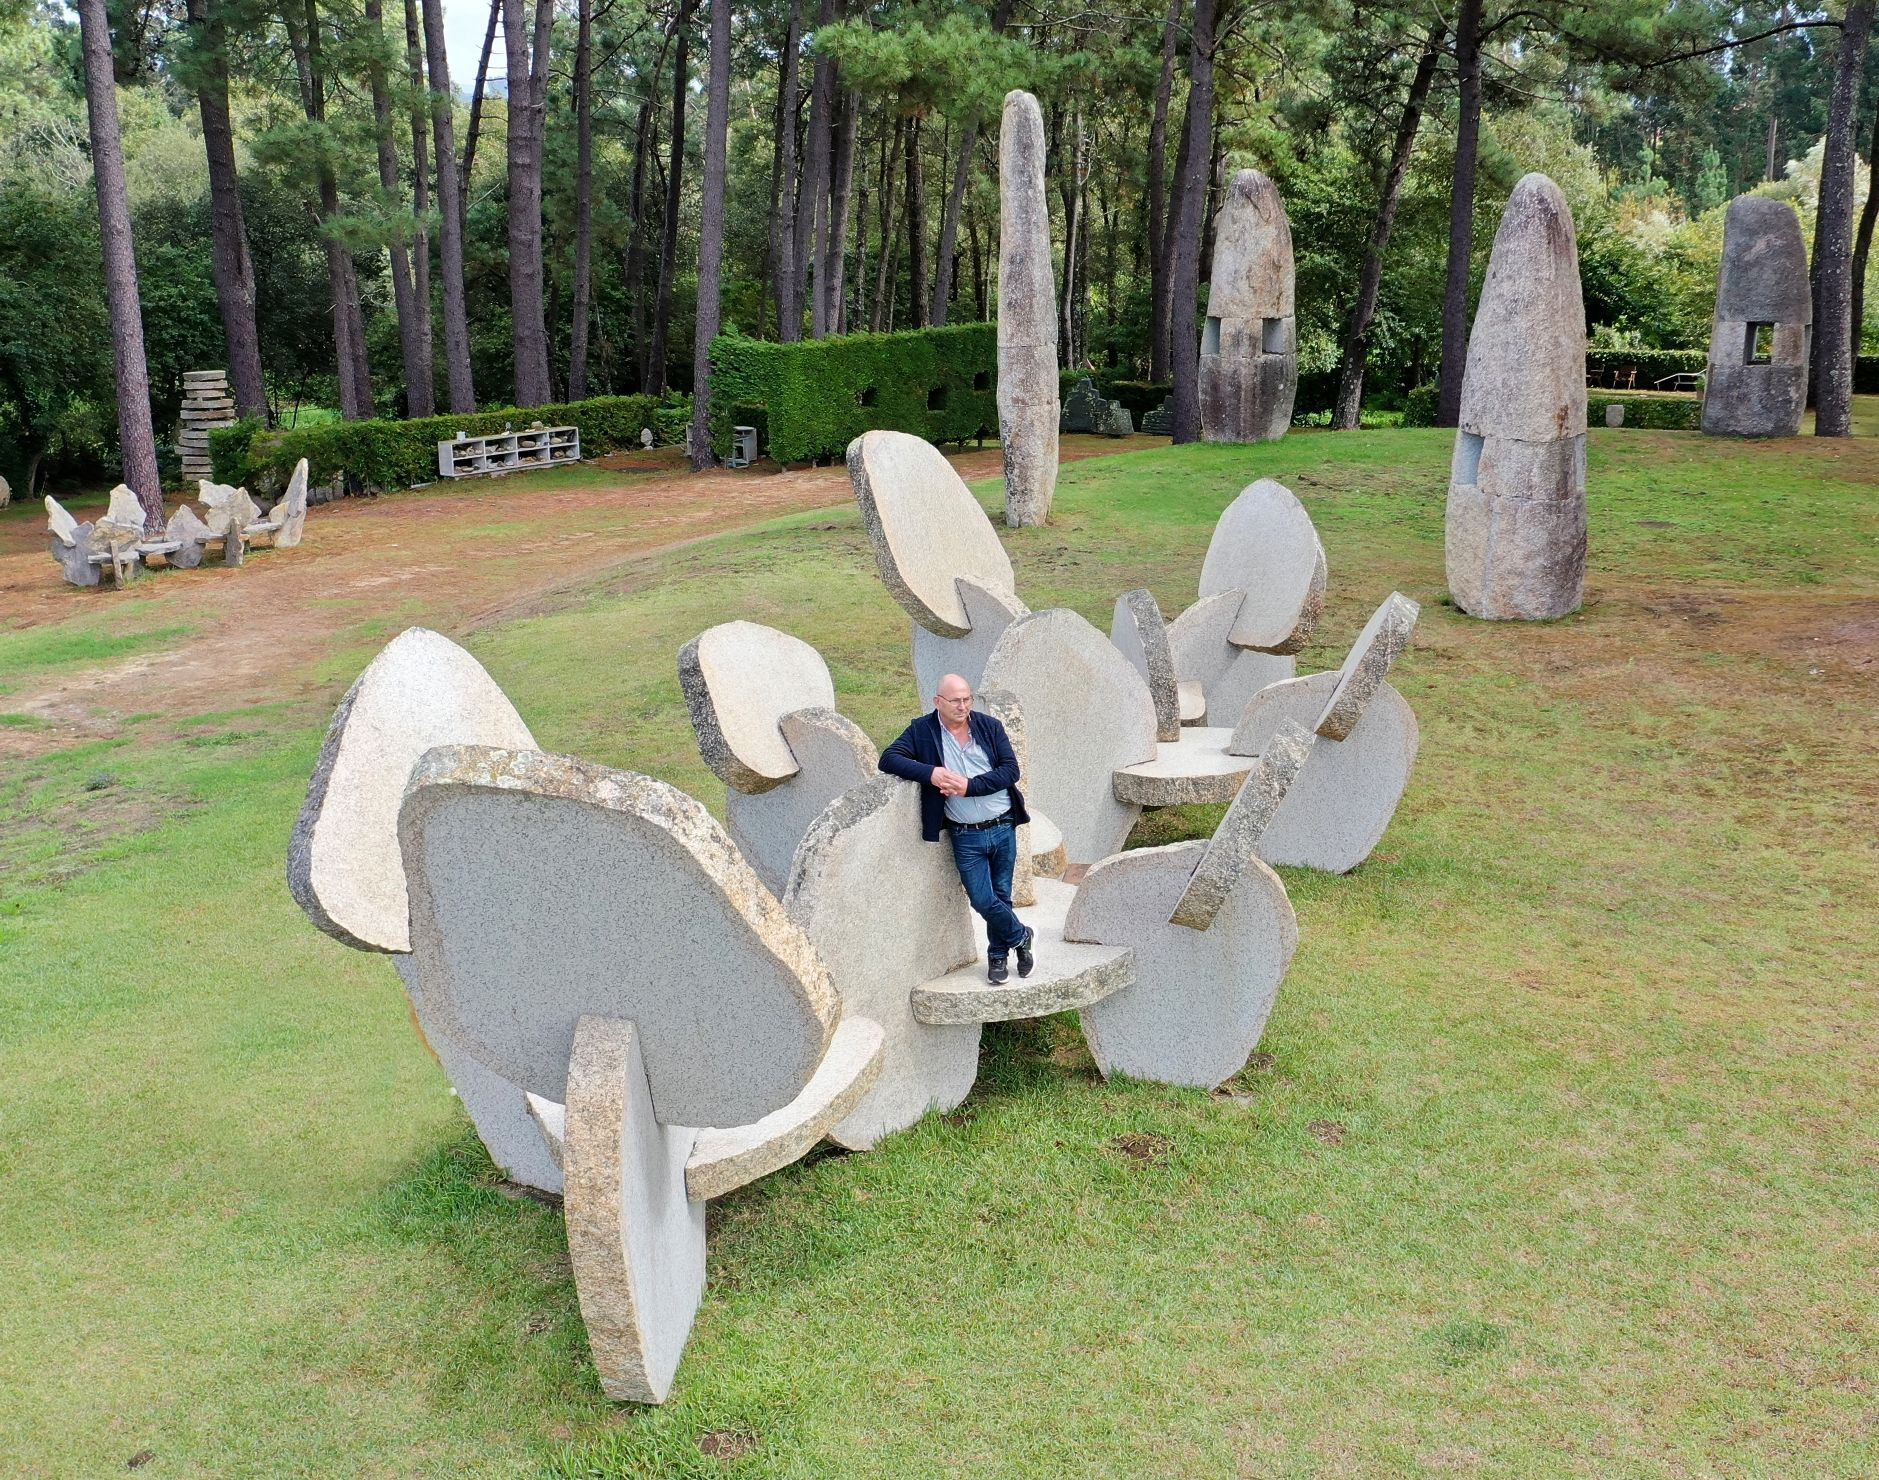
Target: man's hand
(950,783)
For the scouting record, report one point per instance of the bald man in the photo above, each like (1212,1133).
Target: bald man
(968,778)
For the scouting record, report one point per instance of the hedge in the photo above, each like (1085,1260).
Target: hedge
(397,454)
(813,398)
(1663,411)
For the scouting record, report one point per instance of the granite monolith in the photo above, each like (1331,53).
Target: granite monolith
(1249,348)
(1758,340)
(1027,317)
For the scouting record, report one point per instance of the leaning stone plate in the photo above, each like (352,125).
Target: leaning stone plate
(1265,545)
(927,529)
(343,865)
(544,888)
(740,679)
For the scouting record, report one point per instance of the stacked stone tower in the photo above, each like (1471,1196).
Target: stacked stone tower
(207,405)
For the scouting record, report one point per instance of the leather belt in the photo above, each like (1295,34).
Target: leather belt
(999,821)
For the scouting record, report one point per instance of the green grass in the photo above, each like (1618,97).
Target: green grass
(1557,1158)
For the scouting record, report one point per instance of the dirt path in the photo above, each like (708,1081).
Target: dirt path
(446,556)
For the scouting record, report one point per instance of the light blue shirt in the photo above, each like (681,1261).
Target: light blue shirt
(970,760)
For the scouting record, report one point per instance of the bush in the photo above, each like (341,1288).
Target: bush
(397,454)
(1419,406)
(817,396)
(1651,411)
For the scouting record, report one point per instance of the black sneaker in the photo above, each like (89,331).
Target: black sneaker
(996,971)
(1025,959)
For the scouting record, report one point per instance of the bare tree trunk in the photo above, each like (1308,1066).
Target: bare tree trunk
(890,244)
(711,232)
(916,224)
(782,229)
(583,207)
(669,238)
(233,268)
(1833,234)
(643,142)
(420,206)
(473,129)
(1184,253)
(1159,294)
(980,291)
(949,225)
(137,440)
(814,184)
(1862,243)
(1461,214)
(835,251)
(418,395)
(450,214)
(1350,386)
(528,65)
(1074,171)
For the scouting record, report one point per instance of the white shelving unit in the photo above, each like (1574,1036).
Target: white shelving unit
(508,452)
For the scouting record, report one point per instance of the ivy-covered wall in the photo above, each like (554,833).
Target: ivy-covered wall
(397,454)
(812,399)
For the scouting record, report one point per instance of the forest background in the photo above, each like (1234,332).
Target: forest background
(859,188)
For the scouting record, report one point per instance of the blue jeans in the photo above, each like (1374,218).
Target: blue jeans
(986,856)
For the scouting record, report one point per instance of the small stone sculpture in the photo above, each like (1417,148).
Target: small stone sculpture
(1083,408)
(1027,317)
(1758,342)
(1249,349)
(71,544)
(1516,497)
(1116,421)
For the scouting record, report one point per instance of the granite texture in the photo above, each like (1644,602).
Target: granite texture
(1265,546)
(934,656)
(544,889)
(1516,532)
(833,754)
(289,516)
(636,1242)
(1200,997)
(1141,636)
(1235,843)
(1027,317)
(886,912)
(1368,664)
(1343,799)
(1227,676)
(1249,354)
(190,534)
(1088,714)
(343,865)
(1066,976)
(739,679)
(724,1160)
(927,530)
(1763,280)
(1199,768)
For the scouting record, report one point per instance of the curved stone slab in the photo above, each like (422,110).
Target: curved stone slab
(1227,676)
(1201,997)
(637,1243)
(739,680)
(60,522)
(1087,714)
(343,865)
(1066,977)
(1249,354)
(887,912)
(1763,280)
(1235,843)
(927,530)
(833,754)
(934,656)
(190,534)
(545,889)
(1141,636)
(1515,532)
(1342,801)
(1198,768)
(1266,546)
(724,1160)
(1028,388)
(289,516)
(511,1130)
(1368,664)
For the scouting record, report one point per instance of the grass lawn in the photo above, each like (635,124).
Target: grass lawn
(1559,1155)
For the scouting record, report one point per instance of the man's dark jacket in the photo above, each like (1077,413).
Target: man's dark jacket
(914,755)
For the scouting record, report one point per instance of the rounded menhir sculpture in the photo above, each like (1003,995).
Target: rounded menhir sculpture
(1249,349)
(1027,317)
(1758,341)
(1516,496)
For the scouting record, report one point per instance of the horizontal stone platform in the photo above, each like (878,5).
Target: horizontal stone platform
(1195,768)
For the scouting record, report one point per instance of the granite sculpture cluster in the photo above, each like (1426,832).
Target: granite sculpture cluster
(641,1009)
(231,524)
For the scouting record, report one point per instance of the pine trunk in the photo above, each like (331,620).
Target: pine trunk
(1862,243)
(669,234)
(1461,214)
(526,108)
(644,141)
(916,224)
(1350,388)
(835,253)
(782,228)
(420,204)
(1184,252)
(583,208)
(137,440)
(813,187)
(418,395)
(473,129)
(450,214)
(1158,290)
(711,232)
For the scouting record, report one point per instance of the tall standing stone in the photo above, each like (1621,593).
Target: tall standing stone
(1027,317)
(1516,494)
(1249,349)
(1758,342)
